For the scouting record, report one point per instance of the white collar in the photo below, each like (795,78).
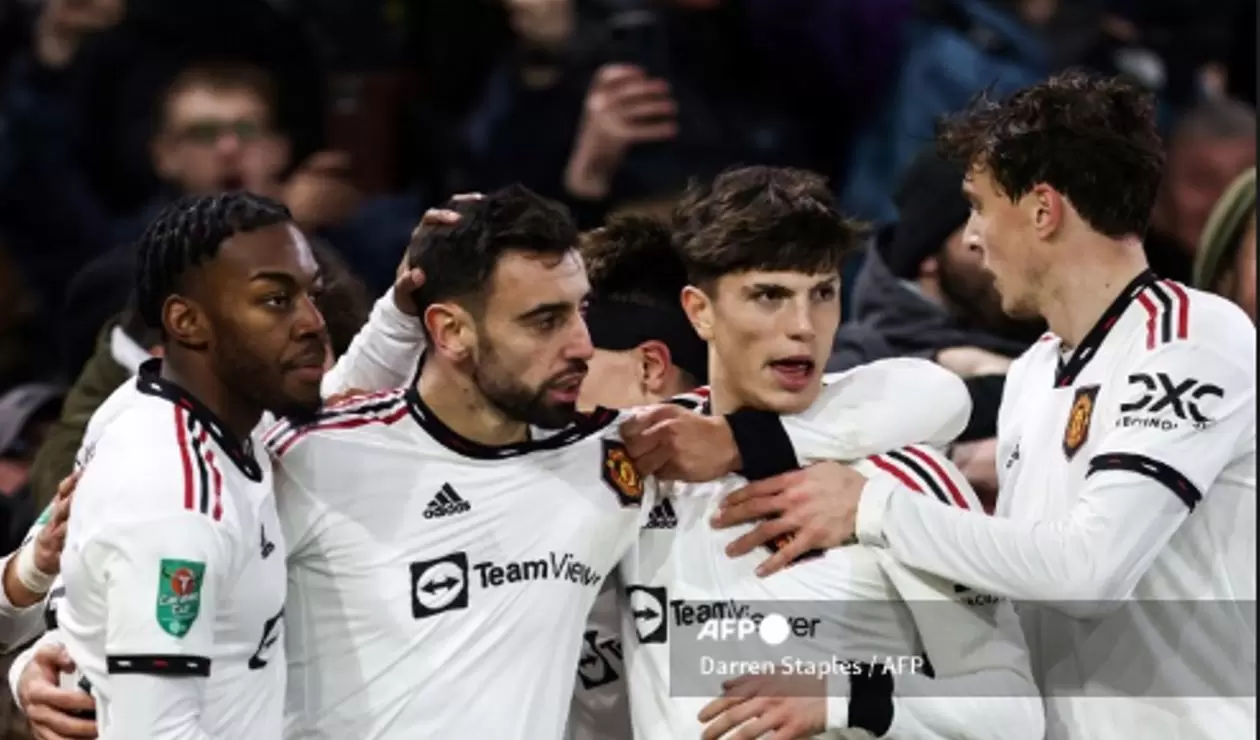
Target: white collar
(126,351)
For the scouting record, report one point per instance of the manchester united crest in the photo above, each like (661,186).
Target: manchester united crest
(1076,433)
(621,475)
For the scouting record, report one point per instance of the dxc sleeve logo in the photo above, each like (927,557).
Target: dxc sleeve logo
(1160,395)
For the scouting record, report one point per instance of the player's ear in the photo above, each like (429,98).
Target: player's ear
(451,330)
(1046,206)
(186,323)
(699,309)
(654,366)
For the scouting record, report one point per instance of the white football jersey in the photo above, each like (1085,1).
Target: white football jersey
(428,571)
(842,604)
(174,568)
(1166,393)
(439,587)
(601,706)
(384,354)
(1127,470)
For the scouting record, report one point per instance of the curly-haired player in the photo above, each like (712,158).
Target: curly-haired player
(1126,436)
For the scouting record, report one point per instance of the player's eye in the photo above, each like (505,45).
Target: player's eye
(277,300)
(825,293)
(548,323)
(768,297)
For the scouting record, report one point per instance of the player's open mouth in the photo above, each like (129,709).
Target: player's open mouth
(793,373)
(566,389)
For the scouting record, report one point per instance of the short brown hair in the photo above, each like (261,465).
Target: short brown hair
(222,77)
(761,218)
(632,259)
(1091,138)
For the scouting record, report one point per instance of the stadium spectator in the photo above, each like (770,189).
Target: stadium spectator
(1226,260)
(923,292)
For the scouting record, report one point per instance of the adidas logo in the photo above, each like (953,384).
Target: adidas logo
(446,503)
(662,516)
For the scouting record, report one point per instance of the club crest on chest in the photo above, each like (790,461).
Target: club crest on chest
(1080,416)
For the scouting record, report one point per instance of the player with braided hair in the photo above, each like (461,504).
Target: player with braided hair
(174,568)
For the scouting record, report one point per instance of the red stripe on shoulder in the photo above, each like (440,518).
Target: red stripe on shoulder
(1181,303)
(384,412)
(928,458)
(185,456)
(203,481)
(1152,318)
(925,470)
(886,465)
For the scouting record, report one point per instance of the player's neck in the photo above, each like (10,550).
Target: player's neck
(455,400)
(239,415)
(1083,286)
(724,396)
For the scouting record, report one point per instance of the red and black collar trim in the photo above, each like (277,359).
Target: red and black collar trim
(240,451)
(1067,371)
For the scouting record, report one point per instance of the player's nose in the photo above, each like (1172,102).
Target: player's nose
(308,320)
(579,346)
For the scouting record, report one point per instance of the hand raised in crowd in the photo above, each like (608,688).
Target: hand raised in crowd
(673,443)
(408,279)
(49,708)
(63,24)
(623,107)
(810,509)
(778,707)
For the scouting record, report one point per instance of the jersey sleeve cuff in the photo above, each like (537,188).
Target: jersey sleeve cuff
(837,712)
(871,700)
(872,508)
(7,609)
(153,664)
(18,665)
(763,443)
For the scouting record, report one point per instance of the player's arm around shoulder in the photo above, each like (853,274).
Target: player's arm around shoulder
(981,685)
(871,408)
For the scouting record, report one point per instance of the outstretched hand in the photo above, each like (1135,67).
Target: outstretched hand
(802,510)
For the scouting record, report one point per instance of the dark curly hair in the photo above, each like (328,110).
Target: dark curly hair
(1091,138)
(632,259)
(189,232)
(760,218)
(458,259)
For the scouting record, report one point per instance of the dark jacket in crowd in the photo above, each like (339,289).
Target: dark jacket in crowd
(891,318)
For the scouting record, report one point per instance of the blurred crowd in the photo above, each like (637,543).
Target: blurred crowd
(359,115)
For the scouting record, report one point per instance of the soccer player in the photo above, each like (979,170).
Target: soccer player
(173,561)
(645,352)
(1127,436)
(446,547)
(762,249)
